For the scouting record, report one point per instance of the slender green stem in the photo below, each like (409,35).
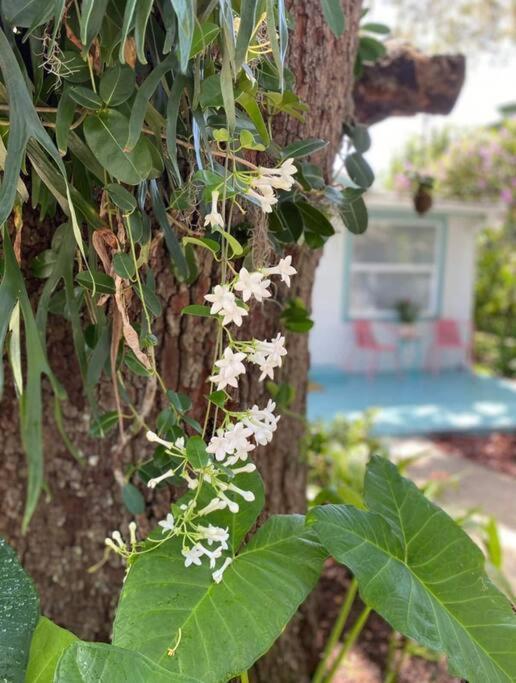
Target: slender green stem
(336,631)
(244,677)
(349,642)
(390,673)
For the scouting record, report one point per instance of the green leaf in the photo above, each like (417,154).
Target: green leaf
(96,281)
(370,49)
(27,13)
(143,12)
(314,220)
(141,101)
(204,242)
(359,135)
(117,84)
(103,424)
(420,571)
(302,148)
(227,91)
(248,102)
(171,240)
(334,15)
(203,37)
(121,197)
(238,525)
(130,6)
(92,14)
(133,499)
(375,28)
(24,125)
(94,662)
(12,288)
(173,105)
(106,135)
(124,265)
(196,452)
(196,309)
(286,223)
(248,20)
(85,97)
(225,627)
(19,614)
(185,13)
(64,118)
(354,214)
(48,644)
(359,170)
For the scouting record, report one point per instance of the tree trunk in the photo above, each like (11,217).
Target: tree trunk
(83,502)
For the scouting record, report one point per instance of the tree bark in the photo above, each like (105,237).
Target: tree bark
(83,502)
(407,82)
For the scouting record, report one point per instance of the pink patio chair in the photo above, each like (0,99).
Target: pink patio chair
(447,335)
(365,340)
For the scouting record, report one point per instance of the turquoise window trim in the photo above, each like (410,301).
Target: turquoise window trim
(442,249)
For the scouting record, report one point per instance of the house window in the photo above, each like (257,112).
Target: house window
(392,261)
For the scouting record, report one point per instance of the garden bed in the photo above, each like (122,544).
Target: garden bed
(496,450)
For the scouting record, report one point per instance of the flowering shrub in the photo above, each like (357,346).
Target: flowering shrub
(185,93)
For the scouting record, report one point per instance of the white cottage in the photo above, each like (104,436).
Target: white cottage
(427,260)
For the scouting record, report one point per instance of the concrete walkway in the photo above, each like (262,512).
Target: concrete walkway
(469,486)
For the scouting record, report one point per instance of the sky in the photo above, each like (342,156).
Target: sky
(489,84)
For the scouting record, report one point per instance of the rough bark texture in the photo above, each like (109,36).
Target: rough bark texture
(84,502)
(407,82)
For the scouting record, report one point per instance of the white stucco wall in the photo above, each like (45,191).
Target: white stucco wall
(331,342)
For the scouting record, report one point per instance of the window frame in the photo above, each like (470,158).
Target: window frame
(434,269)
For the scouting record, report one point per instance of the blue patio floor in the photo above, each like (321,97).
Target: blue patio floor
(415,403)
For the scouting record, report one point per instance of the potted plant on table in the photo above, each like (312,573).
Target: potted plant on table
(408,312)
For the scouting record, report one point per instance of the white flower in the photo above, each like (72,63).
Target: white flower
(252,284)
(132,533)
(167,524)
(266,200)
(237,438)
(214,218)
(213,505)
(246,495)
(193,555)
(250,467)
(217,575)
(214,534)
(262,422)
(152,483)
(230,366)
(230,504)
(284,269)
(234,315)
(268,355)
(154,438)
(222,299)
(117,537)
(218,445)
(279,178)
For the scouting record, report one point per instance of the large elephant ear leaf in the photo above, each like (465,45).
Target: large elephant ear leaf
(19,614)
(94,662)
(48,644)
(218,630)
(420,571)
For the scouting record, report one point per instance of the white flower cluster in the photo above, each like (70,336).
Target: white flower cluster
(267,180)
(215,482)
(233,443)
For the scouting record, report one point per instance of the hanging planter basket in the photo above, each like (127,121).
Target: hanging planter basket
(423,199)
